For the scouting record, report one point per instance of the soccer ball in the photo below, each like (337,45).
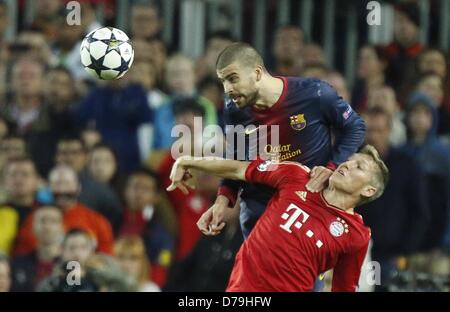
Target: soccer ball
(106,53)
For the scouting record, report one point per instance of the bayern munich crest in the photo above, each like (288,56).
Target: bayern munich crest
(339,227)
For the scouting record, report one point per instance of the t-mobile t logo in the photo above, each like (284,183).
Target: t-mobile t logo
(292,219)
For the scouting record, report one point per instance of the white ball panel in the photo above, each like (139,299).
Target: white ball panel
(120,35)
(98,49)
(126,51)
(109,74)
(112,59)
(85,57)
(131,60)
(102,33)
(91,72)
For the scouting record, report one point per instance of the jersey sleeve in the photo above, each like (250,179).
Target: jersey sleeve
(348,269)
(348,126)
(230,188)
(275,174)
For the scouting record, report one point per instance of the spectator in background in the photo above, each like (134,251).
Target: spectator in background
(27,87)
(145,217)
(144,72)
(338,82)
(55,120)
(66,47)
(180,79)
(78,245)
(371,73)
(211,89)
(432,60)
(32,44)
(431,84)
(404,49)
(149,51)
(385,98)
(312,53)
(287,51)
(121,114)
(5,273)
(29,270)
(315,70)
(208,266)
(215,43)
(145,21)
(423,145)
(11,146)
(399,218)
(132,257)
(20,180)
(45,18)
(103,166)
(66,188)
(72,152)
(188,207)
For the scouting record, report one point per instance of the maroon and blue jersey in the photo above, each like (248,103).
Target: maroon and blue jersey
(316,127)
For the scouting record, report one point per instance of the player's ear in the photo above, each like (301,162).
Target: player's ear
(259,72)
(368,191)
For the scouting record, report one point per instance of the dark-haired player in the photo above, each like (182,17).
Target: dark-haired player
(307,112)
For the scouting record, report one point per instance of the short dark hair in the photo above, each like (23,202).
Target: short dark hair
(426,75)
(142,171)
(19,160)
(240,52)
(75,232)
(188,105)
(378,111)
(61,68)
(73,137)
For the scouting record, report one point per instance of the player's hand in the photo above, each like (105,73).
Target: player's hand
(212,222)
(318,179)
(181,177)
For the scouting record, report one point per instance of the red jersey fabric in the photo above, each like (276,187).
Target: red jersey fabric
(298,237)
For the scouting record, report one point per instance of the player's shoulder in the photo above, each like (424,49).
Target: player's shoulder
(285,166)
(312,88)
(294,166)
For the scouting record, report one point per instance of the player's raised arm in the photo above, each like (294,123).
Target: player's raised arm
(228,169)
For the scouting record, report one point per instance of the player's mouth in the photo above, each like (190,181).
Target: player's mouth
(236,98)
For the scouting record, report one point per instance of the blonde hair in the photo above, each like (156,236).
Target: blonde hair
(133,244)
(380,178)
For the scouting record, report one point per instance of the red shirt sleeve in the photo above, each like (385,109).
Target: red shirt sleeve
(274,174)
(348,269)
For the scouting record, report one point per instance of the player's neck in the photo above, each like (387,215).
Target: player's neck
(269,92)
(339,200)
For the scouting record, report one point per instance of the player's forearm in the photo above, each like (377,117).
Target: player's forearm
(228,169)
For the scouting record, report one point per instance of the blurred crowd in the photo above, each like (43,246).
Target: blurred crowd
(84,163)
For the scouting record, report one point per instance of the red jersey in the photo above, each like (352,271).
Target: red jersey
(298,237)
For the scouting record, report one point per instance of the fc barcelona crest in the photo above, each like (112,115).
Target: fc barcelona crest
(298,122)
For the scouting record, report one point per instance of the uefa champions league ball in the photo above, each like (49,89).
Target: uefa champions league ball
(106,53)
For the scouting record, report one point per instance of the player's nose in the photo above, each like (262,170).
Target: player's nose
(227,88)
